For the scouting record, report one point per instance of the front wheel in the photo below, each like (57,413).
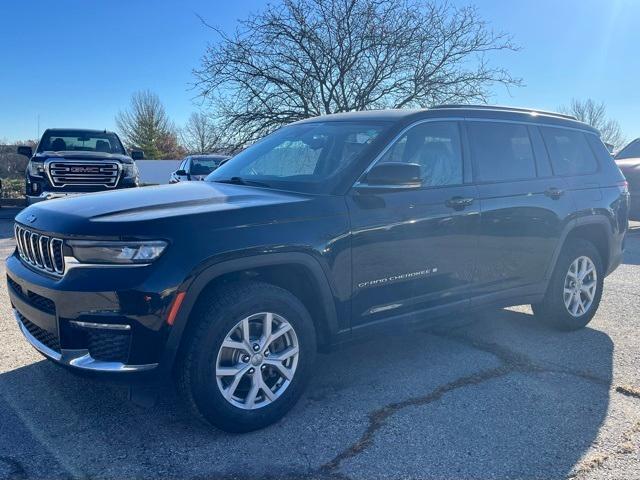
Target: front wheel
(249,357)
(575,289)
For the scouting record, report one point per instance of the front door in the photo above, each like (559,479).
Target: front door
(414,249)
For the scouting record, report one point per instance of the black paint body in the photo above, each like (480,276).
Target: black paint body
(373,256)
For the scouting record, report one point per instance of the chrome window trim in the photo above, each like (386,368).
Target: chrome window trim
(360,184)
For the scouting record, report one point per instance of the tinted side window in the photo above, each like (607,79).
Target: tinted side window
(435,146)
(602,153)
(569,150)
(501,151)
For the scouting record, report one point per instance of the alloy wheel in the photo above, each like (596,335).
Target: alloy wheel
(580,286)
(257,360)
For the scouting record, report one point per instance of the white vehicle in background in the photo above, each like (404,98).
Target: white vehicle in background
(196,167)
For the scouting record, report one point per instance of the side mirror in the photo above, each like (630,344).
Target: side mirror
(25,150)
(137,154)
(181,173)
(394,174)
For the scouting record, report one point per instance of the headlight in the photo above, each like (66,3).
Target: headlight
(88,251)
(129,170)
(36,169)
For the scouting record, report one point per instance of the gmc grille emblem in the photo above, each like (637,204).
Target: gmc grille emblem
(84,170)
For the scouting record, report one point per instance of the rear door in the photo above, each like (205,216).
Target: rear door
(573,159)
(523,208)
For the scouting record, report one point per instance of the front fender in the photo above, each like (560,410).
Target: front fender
(194,286)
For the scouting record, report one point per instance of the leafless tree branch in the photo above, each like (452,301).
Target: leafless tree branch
(302,58)
(595,114)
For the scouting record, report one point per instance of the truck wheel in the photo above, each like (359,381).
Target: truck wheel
(575,289)
(248,359)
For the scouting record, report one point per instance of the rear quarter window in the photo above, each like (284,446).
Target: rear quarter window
(569,151)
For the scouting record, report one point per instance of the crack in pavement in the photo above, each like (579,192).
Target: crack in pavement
(512,362)
(628,391)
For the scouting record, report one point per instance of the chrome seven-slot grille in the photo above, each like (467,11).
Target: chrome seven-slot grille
(40,251)
(68,173)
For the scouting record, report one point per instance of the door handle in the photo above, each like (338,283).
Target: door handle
(458,203)
(554,193)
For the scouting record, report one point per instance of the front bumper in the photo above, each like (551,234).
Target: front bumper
(92,320)
(39,189)
(31,199)
(77,358)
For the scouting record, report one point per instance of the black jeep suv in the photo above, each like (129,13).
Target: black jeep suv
(77,161)
(327,228)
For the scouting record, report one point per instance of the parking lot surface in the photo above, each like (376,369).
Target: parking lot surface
(497,396)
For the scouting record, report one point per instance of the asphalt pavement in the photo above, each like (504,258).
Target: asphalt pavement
(501,396)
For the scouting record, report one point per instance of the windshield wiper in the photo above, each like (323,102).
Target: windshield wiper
(242,181)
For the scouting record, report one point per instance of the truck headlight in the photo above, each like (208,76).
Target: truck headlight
(129,170)
(36,169)
(89,251)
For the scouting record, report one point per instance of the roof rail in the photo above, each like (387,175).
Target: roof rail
(506,109)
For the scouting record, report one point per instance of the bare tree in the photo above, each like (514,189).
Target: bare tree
(595,114)
(302,58)
(145,125)
(200,135)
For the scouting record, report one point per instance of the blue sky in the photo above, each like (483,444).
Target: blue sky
(76,63)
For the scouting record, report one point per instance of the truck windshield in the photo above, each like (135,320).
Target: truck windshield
(630,151)
(80,141)
(307,157)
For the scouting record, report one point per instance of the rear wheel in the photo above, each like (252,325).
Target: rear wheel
(575,289)
(248,360)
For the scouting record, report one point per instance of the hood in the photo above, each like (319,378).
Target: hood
(73,155)
(136,210)
(625,163)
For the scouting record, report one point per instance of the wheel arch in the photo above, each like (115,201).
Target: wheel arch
(594,228)
(304,278)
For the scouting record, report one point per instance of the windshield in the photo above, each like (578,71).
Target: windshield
(630,151)
(80,141)
(205,165)
(307,157)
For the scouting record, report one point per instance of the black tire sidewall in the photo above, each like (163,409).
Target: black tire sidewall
(554,310)
(219,321)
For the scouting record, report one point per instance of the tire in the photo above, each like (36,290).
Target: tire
(222,319)
(553,309)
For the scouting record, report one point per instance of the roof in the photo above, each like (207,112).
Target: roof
(88,130)
(208,155)
(463,111)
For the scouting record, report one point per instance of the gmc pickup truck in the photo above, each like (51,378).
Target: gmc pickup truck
(69,162)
